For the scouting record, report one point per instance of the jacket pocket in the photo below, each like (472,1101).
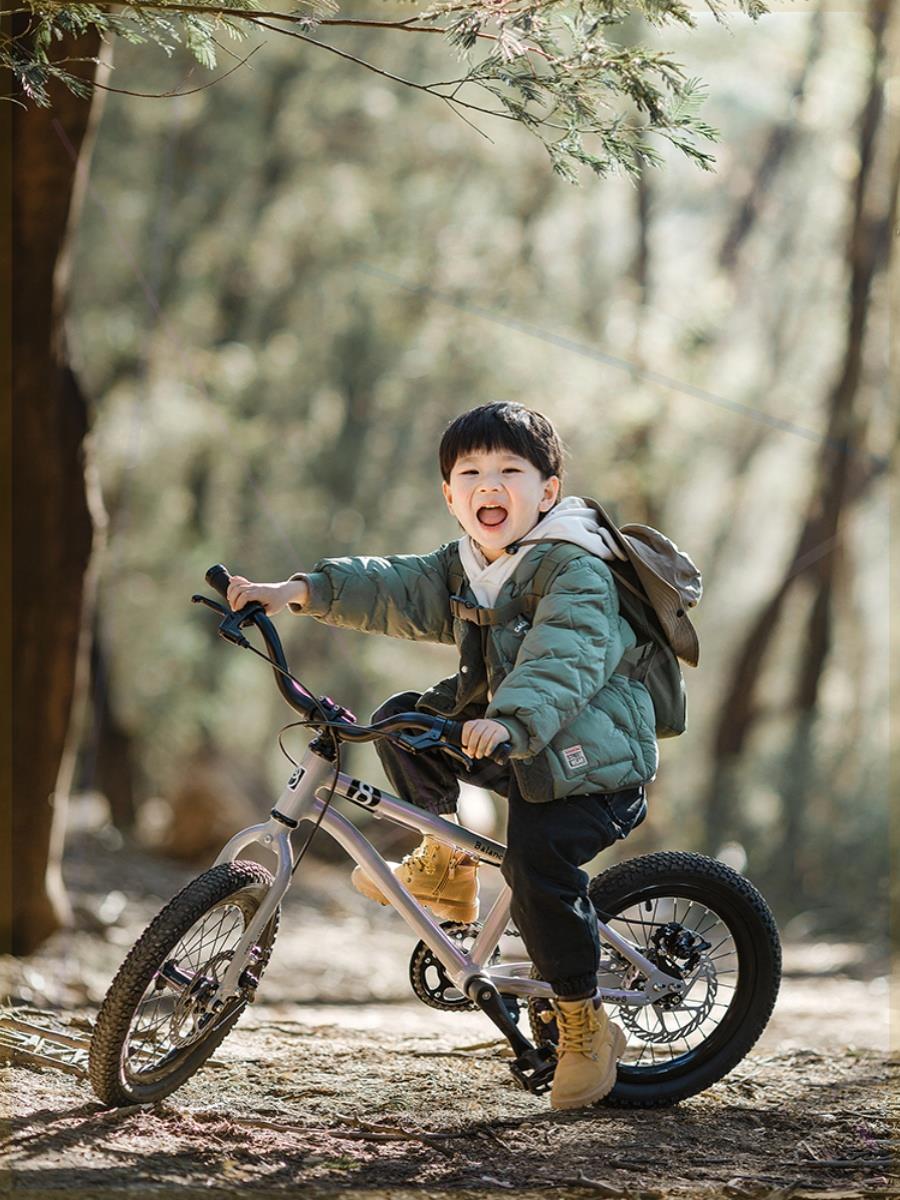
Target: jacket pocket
(593,748)
(610,745)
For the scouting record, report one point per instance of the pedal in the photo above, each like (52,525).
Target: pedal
(533,1070)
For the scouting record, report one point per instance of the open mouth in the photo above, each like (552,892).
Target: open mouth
(492,516)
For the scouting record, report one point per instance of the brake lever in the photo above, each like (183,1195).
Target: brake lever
(429,739)
(214,604)
(235,619)
(461,756)
(425,739)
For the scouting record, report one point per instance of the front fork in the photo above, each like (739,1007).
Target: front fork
(273,835)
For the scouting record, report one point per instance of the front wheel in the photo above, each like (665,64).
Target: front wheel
(702,922)
(156,1026)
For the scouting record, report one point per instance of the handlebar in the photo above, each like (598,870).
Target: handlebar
(433,731)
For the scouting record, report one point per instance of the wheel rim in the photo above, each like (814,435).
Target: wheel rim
(173,1015)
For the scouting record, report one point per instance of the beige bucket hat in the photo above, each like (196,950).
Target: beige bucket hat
(670,578)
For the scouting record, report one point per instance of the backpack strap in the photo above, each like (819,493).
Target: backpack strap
(456,577)
(470,610)
(549,567)
(621,578)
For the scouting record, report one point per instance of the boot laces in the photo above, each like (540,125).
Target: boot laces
(426,855)
(577,1028)
(424,858)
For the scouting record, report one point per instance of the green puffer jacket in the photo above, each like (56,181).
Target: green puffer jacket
(575,725)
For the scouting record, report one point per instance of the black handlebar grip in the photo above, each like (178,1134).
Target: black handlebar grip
(218,579)
(501,753)
(453,732)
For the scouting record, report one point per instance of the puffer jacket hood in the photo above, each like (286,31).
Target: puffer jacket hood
(571,520)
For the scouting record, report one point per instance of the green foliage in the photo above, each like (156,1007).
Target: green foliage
(28,52)
(551,66)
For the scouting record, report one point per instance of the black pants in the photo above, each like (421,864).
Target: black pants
(546,846)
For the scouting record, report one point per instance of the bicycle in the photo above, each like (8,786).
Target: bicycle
(684,938)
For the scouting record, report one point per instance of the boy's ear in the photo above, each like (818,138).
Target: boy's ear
(551,493)
(448,495)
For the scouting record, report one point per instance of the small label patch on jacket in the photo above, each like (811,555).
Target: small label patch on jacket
(575,757)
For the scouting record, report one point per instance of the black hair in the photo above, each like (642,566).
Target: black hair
(503,425)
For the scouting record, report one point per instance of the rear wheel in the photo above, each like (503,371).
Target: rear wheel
(157,1025)
(703,922)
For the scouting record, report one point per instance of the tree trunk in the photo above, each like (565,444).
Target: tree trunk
(875,210)
(775,151)
(106,753)
(52,526)
(843,473)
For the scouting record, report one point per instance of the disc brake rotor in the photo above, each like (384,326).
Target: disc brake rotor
(683,1020)
(187,1019)
(678,951)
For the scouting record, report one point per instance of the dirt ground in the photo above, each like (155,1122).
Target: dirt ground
(338,1080)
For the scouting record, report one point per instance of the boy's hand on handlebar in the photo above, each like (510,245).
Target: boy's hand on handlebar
(272,596)
(482,737)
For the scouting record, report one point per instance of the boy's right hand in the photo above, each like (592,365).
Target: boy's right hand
(273,596)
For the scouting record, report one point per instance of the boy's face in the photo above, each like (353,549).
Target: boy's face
(498,497)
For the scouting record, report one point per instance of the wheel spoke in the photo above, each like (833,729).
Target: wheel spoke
(633,937)
(718,944)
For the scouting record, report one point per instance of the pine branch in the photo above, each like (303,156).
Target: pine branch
(549,65)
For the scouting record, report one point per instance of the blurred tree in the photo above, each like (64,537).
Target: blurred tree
(53,529)
(773,153)
(844,471)
(106,753)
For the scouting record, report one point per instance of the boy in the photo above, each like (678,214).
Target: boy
(583,738)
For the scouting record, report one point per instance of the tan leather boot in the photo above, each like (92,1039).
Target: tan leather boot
(443,877)
(590,1045)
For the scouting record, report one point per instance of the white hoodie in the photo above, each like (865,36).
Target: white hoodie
(570,520)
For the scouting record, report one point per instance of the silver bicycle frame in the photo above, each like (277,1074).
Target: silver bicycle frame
(303,800)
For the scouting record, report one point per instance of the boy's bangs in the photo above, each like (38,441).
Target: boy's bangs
(502,426)
(494,437)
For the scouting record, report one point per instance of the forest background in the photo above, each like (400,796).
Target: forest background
(284,286)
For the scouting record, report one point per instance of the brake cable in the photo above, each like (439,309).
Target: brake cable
(325,723)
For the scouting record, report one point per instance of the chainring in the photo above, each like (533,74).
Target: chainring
(429,979)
